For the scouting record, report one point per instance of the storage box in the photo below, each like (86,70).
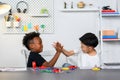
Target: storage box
(108,32)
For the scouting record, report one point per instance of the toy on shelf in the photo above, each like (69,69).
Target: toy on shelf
(106,8)
(81,4)
(44,11)
(36,28)
(25,28)
(42,27)
(12,20)
(71,5)
(65,5)
(107,11)
(29,25)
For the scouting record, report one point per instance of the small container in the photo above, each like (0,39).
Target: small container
(8,24)
(81,4)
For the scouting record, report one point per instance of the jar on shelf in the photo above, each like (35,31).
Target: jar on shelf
(81,4)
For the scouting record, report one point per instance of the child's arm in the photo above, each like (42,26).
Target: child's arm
(67,53)
(52,62)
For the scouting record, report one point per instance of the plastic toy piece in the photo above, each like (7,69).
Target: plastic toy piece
(18,19)
(25,28)
(71,5)
(73,67)
(46,70)
(56,70)
(65,4)
(44,11)
(34,65)
(106,8)
(42,27)
(36,27)
(66,65)
(42,67)
(65,68)
(95,69)
(30,25)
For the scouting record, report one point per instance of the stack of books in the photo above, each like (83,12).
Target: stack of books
(110,12)
(109,34)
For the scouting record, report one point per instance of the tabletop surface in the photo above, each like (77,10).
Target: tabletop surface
(78,74)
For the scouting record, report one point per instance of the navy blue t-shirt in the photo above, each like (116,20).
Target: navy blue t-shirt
(35,57)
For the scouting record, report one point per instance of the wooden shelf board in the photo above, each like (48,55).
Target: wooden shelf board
(111,39)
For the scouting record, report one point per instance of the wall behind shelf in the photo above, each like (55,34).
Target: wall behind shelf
(111,3)
(111,52)
(68,28)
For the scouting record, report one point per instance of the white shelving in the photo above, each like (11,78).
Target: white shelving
(110,15)
(110,47)
(108,40)
(39,15)
(81,10)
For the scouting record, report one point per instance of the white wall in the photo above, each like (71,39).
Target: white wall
(69,26)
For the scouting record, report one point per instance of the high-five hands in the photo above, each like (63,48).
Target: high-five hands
(58,47)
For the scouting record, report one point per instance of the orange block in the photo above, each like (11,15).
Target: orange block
(108,32)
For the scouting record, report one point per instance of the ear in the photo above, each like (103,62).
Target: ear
(90,47)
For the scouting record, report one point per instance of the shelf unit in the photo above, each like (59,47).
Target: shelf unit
(110,47)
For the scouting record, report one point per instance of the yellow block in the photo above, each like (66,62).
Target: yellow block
(95,69)
(65,68)
(25,28)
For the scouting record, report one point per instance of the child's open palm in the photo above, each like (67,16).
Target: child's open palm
(58,47)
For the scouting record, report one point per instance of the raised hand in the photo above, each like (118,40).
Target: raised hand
(58,47)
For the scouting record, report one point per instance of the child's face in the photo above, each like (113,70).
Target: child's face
(37,45)
(85,48)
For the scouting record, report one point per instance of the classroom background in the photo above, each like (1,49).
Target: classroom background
(67,27)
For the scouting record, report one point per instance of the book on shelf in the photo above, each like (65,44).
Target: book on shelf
(110,39)
(108,32)
(108,11)
(109,36)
